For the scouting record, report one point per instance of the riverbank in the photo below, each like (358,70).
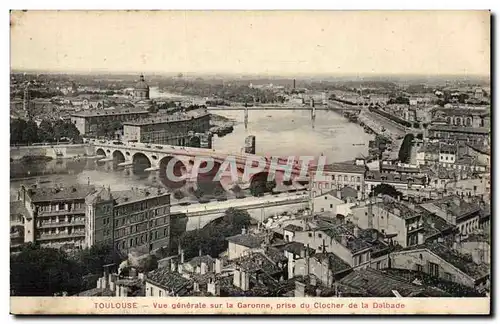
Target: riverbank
(221,125)
(64,151)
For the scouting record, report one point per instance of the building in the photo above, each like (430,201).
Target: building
(177,129)
(141,89)
(391,218)
(326,267)
(476,136)
(440,261)
(163,282)
(343,240)
(338,176)
(55,217)
(88,122)
(400,182)
(475,118)
(336,201)
(241,243)
(129,220)
(456,211)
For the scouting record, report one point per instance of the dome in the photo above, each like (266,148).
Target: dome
(141,85)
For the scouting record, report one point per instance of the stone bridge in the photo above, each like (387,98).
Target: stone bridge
(198,216)
(155,158)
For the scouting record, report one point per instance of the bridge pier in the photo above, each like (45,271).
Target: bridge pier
(246,117)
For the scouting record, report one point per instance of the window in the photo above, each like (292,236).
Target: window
(433,269)
(419,268)
(331,205)
(310,235)
(325,197)
(447,276)
(346,178)
(319,235)
(160,293)
(333,177)
(358,179)
(378,265)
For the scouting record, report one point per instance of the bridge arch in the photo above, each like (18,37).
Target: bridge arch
(259,183)
(172,164)
(140,162)
(100,152)
(118,158)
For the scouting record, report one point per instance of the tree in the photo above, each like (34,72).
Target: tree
(30,134)
(385,189)
(212,238)
(91,260)
(405,149)
(148,264)
(17,127)
(270,185)
(37,271)
(46,131)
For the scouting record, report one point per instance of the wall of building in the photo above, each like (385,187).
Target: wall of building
(411,259)
(338,180)
(316,268)
(235,250)
(155,291)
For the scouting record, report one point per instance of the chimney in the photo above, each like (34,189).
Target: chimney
(182,257)
(218,266)
(213,287)
(339,194)
(374,235)
(307,260)
(179,268)
(203,268)
(237,278)
(343,240)
(243,231)
(300,289)
(245,281)
(173,266)
(356,231)
(303,253)
(200,253)
(312,280)
(196,286)
(318,292)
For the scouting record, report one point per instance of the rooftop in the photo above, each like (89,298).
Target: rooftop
(379,284)
(257,261)
(392,177)
(172,281)
(247,240)
(133,195)
(460,129)
(345,168)
(196,261)
(296,248)
(460,261)
(352,243)
(398,208)
(336,264)
(74,192)
(452,204)
(154,120)
(96,113)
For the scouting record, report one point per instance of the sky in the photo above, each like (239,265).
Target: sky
(253,42)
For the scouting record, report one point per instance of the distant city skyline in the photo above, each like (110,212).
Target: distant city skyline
(264,43)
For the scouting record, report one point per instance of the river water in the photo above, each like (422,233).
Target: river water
(278,133)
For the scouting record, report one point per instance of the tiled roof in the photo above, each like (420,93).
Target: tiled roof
(454,205)
(293,228)
(345,168)
(296,248)
(129,196)
(257,261)
(247,240)
(196,261)
(460,261)
(167,280)
(378,284)
(336,264)
(397,208)
(352,243)
(66,193)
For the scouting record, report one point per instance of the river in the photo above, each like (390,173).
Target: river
(278,133)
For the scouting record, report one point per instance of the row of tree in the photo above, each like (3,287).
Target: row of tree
(28,132)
